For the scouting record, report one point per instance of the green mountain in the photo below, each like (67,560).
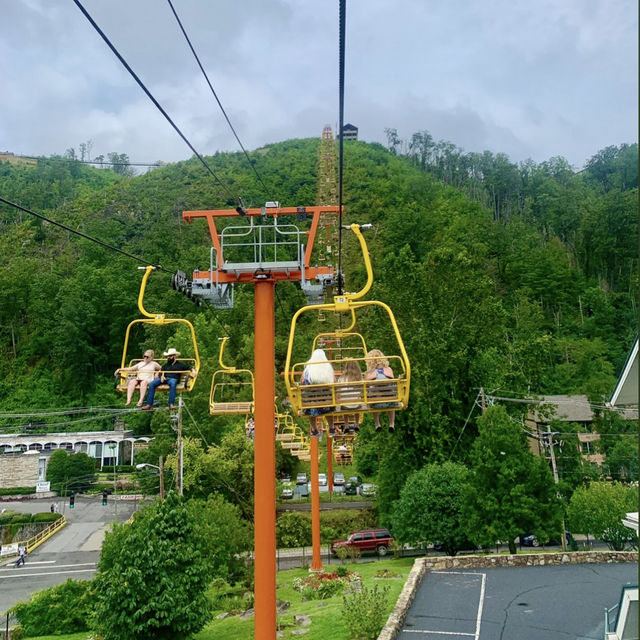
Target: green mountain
(521,278)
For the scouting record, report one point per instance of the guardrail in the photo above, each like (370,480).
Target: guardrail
(35,541)
(45,534)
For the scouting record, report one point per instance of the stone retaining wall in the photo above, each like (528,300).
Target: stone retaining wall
(439,563)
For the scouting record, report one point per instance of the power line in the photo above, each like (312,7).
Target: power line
(240,206)
(215,95)
(82,235)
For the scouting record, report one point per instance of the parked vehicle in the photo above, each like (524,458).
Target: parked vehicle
(530,540)
(322,479)
(301,478)
(338,479)
(368,490)
(352,484)
(287,491)
(366,540)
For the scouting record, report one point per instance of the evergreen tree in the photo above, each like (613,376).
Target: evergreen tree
(510,491)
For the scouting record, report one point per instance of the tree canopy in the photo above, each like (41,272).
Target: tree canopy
(152,575)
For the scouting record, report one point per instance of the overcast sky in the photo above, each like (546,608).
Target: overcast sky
(530,78)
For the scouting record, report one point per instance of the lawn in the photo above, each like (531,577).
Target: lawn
(326,616)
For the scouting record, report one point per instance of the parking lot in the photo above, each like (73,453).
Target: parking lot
(528,603)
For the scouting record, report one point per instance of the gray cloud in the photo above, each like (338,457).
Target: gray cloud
(553,77)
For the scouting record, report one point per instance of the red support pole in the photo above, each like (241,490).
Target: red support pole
(330,462)
(316,563)
(265,464)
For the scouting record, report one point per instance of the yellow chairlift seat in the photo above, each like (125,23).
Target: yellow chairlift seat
(357,397)
(187,380)
(232,390)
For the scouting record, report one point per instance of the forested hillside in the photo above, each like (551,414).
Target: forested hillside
(522,278)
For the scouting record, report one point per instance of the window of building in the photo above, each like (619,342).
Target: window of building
(586,448)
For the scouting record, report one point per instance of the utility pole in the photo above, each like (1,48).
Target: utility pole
(161,470)
(547,438)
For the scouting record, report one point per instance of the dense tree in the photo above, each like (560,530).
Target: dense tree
(152,576)
(70,472)
(599,509)
(226,535)
(510,491)
(429,508)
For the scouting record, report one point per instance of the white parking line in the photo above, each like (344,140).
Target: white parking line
(480,606)
(441,633)
(476,635)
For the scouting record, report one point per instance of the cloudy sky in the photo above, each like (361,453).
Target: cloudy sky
(530,78)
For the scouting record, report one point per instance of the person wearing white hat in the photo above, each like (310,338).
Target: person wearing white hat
(170,373)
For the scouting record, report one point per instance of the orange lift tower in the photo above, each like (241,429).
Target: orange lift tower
(265,246)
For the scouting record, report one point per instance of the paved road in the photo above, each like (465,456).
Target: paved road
(70,553)
(529,603)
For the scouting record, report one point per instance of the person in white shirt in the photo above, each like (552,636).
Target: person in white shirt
(145,370)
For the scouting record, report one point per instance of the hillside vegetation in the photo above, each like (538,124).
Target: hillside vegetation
(521,278)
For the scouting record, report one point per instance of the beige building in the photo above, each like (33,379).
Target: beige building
(567,409)
(24,457)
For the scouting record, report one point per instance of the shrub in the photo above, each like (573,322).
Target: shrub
(46,517)
(21,518)
(6,517)
(293,529)
(364,611)
(121,468)
(17,491)
(321,586)
(342,571)
(65,608)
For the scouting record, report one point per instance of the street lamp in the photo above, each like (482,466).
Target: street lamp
(114,457)
(160,468)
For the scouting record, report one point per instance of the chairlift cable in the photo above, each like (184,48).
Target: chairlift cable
(82,235)
(342,21)
(215,95)
(158,105)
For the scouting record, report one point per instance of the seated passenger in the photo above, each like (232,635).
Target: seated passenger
(318,370)
(351,373)
(170,373)
(146,369)
(378,369)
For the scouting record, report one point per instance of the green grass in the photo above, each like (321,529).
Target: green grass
(326,616)
(70,636)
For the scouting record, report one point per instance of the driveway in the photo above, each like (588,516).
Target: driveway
(528,603)
(71,553)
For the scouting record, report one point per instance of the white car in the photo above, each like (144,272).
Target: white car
(287,491)
(322,479)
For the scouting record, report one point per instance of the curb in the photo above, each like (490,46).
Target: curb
(397,616)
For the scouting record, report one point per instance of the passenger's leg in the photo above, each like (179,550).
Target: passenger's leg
(131,387)
(153,385)
(144,384)
(173,383)
(392,420)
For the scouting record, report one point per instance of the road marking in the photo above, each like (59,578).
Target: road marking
(58,566)
(476,635)
(480,606)
(50,573)
(442,633)
(32,563)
